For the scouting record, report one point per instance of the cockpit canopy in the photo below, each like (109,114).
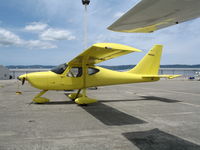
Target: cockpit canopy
(59,69)
(74,71)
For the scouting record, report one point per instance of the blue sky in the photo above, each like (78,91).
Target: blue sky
(50,32)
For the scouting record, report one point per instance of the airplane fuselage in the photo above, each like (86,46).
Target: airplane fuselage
(52,81)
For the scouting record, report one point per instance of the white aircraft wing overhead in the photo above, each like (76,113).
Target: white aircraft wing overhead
(150,15)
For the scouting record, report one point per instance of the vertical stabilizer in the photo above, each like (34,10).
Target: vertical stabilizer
(150,63)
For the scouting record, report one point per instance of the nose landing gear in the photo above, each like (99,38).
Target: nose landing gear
(40,100)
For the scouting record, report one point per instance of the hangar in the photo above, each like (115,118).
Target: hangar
(4,73)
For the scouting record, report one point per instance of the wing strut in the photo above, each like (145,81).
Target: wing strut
(85,59)
(84,100)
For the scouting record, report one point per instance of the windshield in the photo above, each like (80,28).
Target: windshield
(59,69)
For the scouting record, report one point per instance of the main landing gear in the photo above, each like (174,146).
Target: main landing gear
(81,99)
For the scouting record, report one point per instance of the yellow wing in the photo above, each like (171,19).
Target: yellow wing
(150,15)
(101,52)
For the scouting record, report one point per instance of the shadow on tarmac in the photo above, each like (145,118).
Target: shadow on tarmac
(159,140)
(57,103)
(104,113)
(144,98)
(111,116)
(155,98)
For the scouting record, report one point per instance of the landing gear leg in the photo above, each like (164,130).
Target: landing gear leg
(84,100)
(74,96)
(41,100)
(78,94)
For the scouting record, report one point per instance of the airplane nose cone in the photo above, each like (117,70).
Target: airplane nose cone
(21,77)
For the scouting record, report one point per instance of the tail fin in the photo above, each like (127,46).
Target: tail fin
(150,63)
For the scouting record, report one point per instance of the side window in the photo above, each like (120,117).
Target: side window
(92,71)
(75,72)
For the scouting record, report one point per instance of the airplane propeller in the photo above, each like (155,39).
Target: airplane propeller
(23,80)
(18,92)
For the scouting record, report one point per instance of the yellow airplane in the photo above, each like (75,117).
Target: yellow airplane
(81,72)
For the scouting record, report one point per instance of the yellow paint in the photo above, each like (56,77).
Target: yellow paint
(18,93)
(145,71)
(150,63)
(74,96)
(149,28)
(40,100)
(85,100)
(101,52)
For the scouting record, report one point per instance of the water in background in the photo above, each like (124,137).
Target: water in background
(185,72)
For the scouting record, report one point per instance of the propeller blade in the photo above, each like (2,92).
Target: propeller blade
(23,81)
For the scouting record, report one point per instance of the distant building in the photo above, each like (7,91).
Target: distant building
(4,73)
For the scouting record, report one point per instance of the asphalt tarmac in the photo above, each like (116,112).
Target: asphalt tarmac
(163,115)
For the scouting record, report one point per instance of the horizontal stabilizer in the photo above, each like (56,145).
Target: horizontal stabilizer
(161,76)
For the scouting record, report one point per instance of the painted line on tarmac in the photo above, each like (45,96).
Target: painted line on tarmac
(168,91)
(129,92)
(195,105)
(169,114)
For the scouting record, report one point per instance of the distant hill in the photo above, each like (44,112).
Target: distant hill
(30,66)
(119,67)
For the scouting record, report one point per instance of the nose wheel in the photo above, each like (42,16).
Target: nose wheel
(40,100)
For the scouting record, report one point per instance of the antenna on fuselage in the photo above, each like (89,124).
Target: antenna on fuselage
(85,3)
